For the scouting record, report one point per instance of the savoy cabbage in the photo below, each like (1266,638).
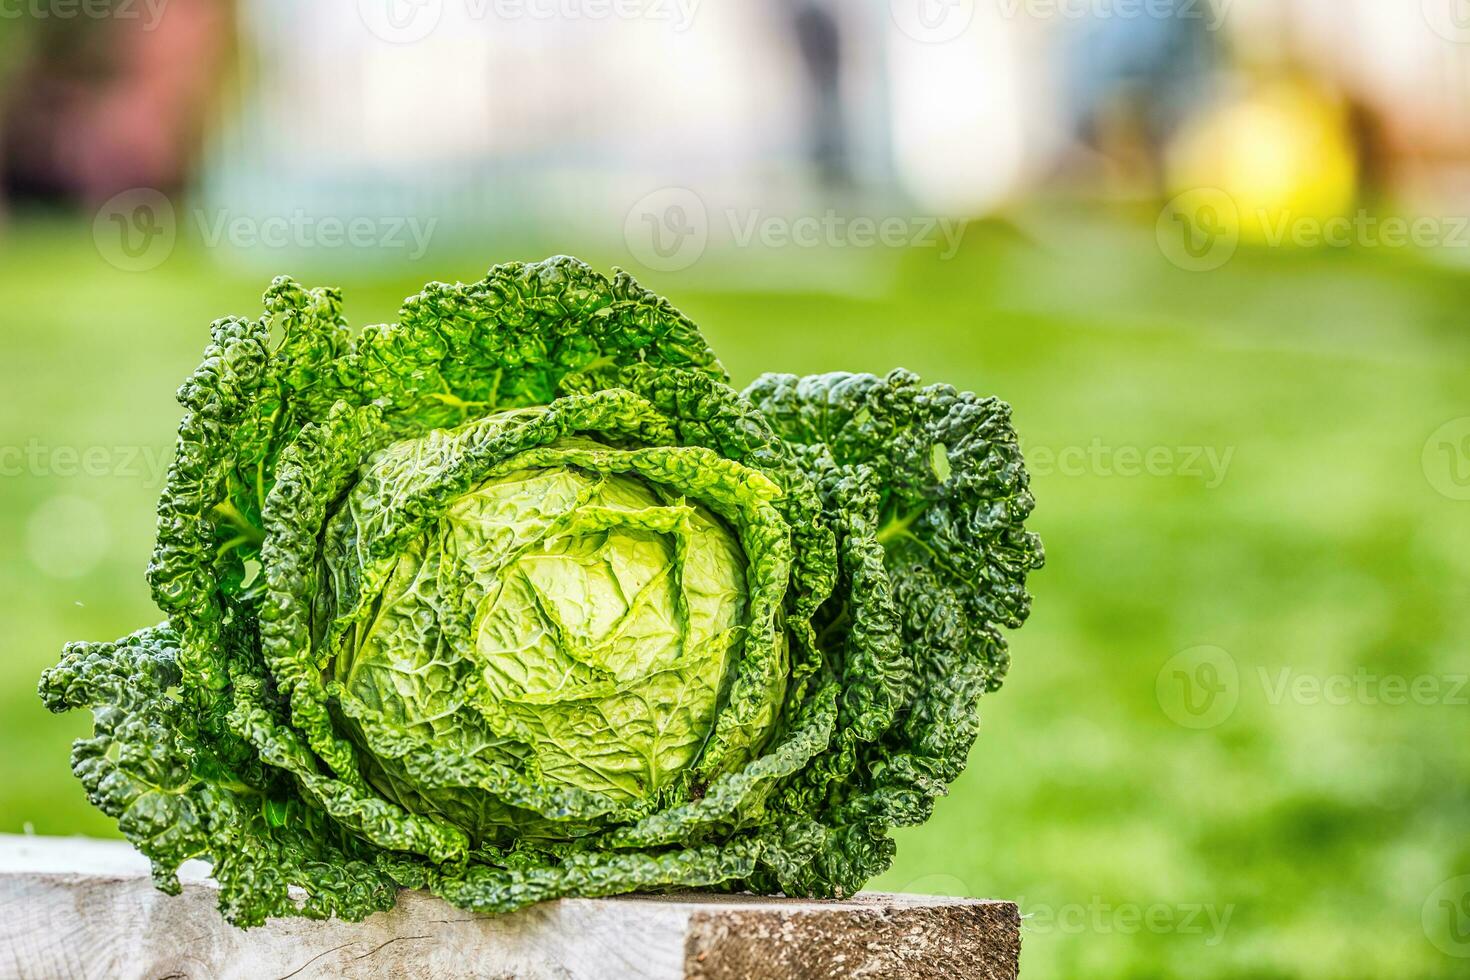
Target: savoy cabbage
(516,598)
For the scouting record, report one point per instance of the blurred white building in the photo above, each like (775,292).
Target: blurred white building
(542,113)
(568,116)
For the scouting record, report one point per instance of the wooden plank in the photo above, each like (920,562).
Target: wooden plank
(75,907)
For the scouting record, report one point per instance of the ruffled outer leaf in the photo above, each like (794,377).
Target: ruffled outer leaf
(930,492)
(878,523)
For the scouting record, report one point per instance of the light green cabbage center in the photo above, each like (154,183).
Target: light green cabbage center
(577,625)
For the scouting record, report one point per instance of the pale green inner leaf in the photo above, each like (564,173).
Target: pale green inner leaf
(576,623)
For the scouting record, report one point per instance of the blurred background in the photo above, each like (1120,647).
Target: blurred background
(1216,253)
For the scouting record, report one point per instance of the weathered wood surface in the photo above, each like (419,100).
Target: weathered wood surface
(75,907)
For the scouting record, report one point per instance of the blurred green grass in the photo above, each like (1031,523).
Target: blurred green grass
(1294,838)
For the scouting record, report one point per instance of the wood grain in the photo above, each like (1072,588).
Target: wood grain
(75,907)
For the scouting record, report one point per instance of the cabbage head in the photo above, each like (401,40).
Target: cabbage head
(516,599)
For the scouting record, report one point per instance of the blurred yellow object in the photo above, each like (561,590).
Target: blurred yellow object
(1283,154)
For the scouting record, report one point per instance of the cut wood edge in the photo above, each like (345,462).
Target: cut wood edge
(86,907)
